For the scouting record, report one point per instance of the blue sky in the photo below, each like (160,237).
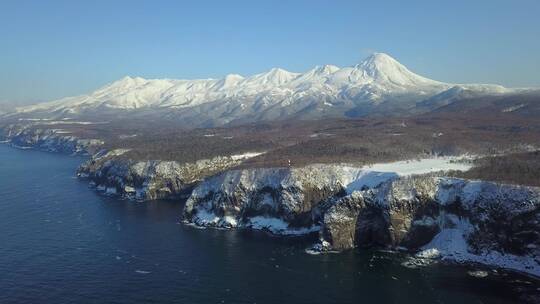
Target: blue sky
(53,49)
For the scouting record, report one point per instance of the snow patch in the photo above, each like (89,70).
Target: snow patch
(478,273)
(513,108)
(371,176)
(127,136)
(246,155)
(421,166)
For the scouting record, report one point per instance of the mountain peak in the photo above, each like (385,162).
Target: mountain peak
(387,71)
(380,57)
(276,76)
(278,71)
(128,80)
(234,76)
(325,69)
(229,81)
(379,62)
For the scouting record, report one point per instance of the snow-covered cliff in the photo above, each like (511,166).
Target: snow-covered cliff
(446,217)
(295,194)
(51,140)
(449,218)
(150,179)
(279,199)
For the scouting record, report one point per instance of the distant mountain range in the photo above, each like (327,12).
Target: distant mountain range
(379,85)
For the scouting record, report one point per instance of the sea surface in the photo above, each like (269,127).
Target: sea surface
(61,242)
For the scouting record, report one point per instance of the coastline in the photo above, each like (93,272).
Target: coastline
(283,228)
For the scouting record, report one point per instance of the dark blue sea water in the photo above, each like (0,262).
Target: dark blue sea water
(60,242)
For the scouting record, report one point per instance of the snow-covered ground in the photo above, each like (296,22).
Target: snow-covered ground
(372,175)
(421,166)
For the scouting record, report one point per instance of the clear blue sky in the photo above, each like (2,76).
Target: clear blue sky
(51,49)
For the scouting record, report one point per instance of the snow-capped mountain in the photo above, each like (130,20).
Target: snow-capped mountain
(378,82)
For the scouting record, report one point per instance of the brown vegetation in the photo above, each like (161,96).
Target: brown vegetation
(515,168)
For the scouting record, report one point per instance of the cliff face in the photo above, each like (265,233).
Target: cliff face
(147,180)
(434,216)
(282,200)
(410,212)
(51,140)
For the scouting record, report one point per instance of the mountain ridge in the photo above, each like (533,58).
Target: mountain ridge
(377,83)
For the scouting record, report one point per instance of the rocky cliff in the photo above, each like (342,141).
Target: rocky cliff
(450,218)
(109,172)
(45,139)
(280,199)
